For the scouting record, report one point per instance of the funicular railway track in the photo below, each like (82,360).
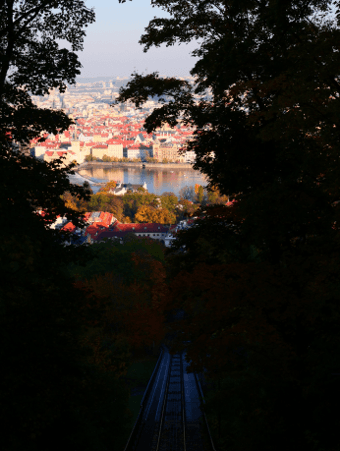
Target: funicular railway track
(171,432)
(170,418)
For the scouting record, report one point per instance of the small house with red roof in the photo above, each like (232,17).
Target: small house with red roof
(119,230)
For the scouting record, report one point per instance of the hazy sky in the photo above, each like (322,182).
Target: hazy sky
(111,44)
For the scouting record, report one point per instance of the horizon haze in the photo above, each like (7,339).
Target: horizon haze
(111,45)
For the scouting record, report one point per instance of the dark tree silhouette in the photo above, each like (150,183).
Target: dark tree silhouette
(50,393)
(258,281)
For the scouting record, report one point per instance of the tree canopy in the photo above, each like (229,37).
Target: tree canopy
(259,135)
(50,383)
(257,280)
(33,61)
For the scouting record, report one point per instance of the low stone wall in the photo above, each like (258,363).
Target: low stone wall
(101,164)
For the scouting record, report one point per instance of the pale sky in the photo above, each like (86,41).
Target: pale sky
(111,44)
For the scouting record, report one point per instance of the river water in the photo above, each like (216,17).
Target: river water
(158,180)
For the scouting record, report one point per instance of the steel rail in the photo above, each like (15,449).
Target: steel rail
(163,406)
(152,377)
(198,383)
(183,403)
(180,444)
(136,430)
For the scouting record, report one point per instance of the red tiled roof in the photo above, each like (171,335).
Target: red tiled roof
(113,141)
(106,218)
(94,229)
(69,227)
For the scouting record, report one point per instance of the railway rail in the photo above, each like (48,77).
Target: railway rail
(170,418)
(171,427)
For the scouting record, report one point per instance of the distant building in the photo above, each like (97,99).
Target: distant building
(190,156)
(123,188)
(136,151)
(167,151)
(115,148)
(182,225)
(39,151)
(98,151)
(51,155)
(119,230)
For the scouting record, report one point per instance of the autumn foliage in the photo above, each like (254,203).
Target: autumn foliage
(111,185)
(154,215)
(124,315)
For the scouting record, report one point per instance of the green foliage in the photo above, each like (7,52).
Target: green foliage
(212,197)
(200,194)
(169,201)
(90,158)
(132,201)
(107,202)
(110,256)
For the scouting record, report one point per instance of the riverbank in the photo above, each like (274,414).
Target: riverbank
(165,166)
(78,179)
(159,178)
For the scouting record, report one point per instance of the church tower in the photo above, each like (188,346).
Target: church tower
(75,143)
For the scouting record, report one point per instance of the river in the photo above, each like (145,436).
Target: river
(158,180)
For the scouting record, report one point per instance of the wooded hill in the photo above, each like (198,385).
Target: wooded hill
(258,282)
